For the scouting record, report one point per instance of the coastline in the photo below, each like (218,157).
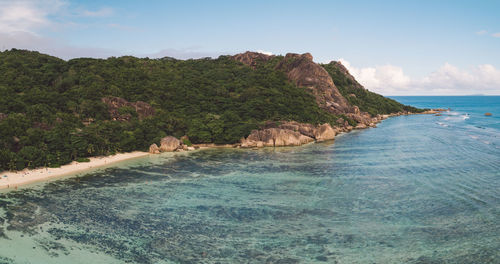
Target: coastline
(16,179)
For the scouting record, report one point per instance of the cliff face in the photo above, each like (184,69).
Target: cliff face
(345,72)
(304,72)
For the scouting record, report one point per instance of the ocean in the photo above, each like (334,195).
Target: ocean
(416,189)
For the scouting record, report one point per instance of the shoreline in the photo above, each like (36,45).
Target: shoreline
(24,177)
(16,179)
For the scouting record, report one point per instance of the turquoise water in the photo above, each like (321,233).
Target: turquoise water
(417,189)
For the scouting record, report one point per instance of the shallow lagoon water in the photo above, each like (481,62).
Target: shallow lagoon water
(417,189)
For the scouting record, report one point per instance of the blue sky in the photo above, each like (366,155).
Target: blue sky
(392,47)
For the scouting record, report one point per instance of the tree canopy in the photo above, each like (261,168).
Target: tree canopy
(51,110)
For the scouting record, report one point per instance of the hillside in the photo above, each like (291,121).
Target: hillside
(356,94)
(53,111)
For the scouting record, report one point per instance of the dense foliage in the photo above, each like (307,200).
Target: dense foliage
(367,101)
(51,110)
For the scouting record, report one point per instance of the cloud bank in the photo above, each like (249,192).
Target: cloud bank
(20,22)
(447,80)
(26,16)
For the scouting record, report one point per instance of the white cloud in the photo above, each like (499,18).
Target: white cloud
(21,22)
(103,12)
(384,78)
(447,80)
(188,53)
(122,27)
(26,16)
(484,32)
(265,52)
(29,41)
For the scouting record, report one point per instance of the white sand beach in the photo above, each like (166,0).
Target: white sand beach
(15,179)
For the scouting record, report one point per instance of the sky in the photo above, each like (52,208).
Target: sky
(436,47)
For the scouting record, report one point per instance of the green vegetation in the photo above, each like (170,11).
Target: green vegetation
(187,142)
(366,101)
(52,111)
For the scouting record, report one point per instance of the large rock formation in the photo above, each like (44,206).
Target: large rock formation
(346,72)
(287,134)
(275,137)
(324,132)
(143,109)
(302,70)
(364,119)
(154,149)
(304,129)
(252,58)
(169,143)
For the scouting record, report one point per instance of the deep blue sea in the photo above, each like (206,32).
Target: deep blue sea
(416,189)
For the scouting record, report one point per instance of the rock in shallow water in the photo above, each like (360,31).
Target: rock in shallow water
(324,132)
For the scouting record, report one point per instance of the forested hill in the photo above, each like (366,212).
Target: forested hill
(53,111)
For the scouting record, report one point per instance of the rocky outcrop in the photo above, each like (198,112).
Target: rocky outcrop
(288,134)
(324,132)
(302,70)
(154,149)
(275,137)
(362,117)
(169,143)
(303,128)
(142,109)
(346,73)
(251,58)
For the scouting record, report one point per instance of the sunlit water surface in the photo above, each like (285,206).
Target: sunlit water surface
(417,189)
